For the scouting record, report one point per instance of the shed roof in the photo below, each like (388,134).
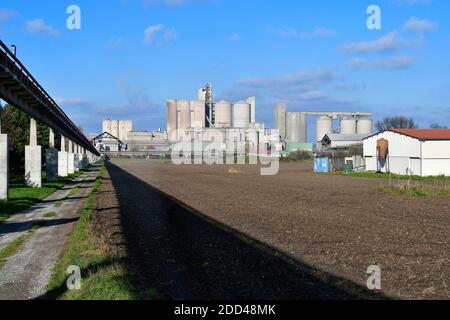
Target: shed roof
(425,134)
(421,134)
(346,137)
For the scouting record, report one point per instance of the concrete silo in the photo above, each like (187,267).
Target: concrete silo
(302,127)
(197,114)
(365,125)
(183,118)
(171,120)
(289,127)
(252,102)
(296,127)
(223,114)
(324,126)
(280,119)
(241,114)
(348,125)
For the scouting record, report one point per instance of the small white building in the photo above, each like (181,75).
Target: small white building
(336,140)
(421,152)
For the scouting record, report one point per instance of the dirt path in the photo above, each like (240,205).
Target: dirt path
(27,272)
(332,227)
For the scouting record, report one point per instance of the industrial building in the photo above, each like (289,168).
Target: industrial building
(421,152)
(218,129)
(118,128)
(144,141)
(293,125)
(118,135)
(206,120)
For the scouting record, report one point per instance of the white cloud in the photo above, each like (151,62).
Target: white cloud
(115,42)
(38,26)
(72,102)
(235,37)
(151,33)
(170,35)
(319,32)
(300,79)
(389,63)
(6,15)
(323,32)
(173,2)
(303,86)
(410,2)
(389,42)
(418,25)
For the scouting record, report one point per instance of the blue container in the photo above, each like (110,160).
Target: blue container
(321,165)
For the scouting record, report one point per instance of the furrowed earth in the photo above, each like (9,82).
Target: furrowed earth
(226,232)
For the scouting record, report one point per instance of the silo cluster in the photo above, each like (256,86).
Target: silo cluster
(324,125)
(183,115)
(349,124)
(296,127)
(118,128)
(292,126)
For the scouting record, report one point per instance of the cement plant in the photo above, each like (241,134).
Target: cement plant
(224,162)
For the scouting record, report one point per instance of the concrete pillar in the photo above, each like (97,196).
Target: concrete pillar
(3,167)
(84,157)
(70,159)
(76,162)
(33,159)
(51,158)
(62,159)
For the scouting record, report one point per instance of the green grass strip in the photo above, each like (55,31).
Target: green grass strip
(103,276)
(391,176)
(22,197)
(415,191)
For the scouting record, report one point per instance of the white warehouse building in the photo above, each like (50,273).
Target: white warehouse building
(421,152)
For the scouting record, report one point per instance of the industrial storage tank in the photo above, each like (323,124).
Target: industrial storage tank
(252,102)
(197,114)
(303,127)
(348,125)
(223,114)
(324,126)
(241,114)
(280,119)
(290,127)
(365,125)
(296,127)
(171,120)
(184,117)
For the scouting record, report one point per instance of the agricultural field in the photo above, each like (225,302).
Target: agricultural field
(226,231)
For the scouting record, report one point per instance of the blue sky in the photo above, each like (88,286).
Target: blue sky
(130,56)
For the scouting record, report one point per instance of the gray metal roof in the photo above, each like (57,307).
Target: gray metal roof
(346,137)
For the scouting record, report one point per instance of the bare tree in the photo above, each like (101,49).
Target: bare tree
(437,126)
(397,122)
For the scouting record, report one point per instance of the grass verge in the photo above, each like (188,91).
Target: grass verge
(415,191)
(22,197)
(374,175)
(103,276)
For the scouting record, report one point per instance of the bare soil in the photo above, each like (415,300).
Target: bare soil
(222,232)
